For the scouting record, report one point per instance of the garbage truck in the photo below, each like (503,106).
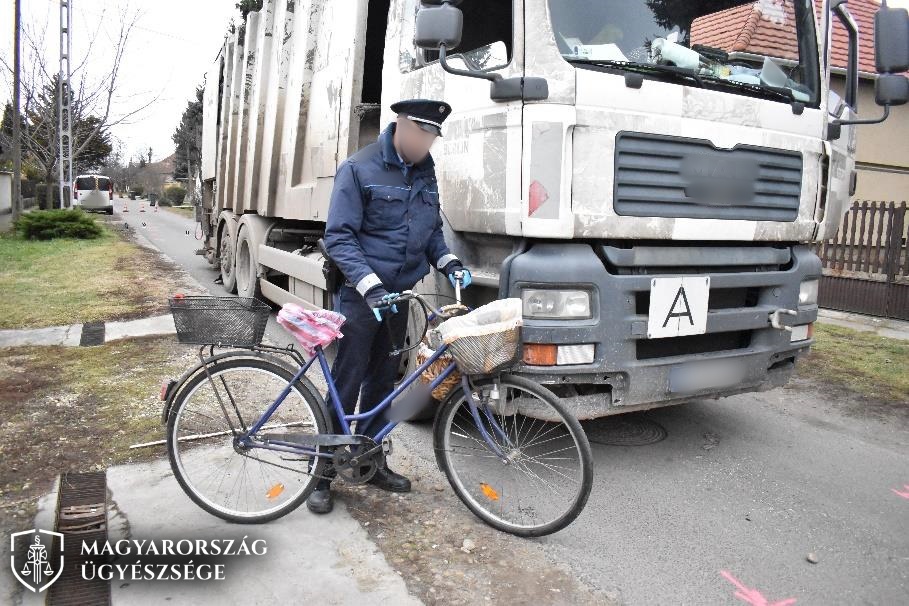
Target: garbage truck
(647,176)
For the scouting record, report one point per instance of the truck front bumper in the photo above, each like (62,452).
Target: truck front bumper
(630,371)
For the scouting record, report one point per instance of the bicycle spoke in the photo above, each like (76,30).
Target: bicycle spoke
(545,478)
(228,479)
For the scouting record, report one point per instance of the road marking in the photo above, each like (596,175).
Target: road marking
(752,596)
(904,493)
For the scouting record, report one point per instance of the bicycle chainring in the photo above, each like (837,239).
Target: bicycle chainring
(352,467)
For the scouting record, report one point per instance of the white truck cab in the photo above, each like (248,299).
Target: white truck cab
(647,175)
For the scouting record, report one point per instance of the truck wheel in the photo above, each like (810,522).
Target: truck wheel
(228,262)
(246,268)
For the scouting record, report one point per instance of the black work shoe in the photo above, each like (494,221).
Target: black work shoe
(321,500)
(388,480)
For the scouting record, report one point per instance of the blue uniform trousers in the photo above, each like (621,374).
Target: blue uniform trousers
(363,367)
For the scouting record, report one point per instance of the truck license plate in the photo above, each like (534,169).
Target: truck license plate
(678,306)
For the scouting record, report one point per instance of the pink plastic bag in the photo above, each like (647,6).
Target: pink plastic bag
(311,328)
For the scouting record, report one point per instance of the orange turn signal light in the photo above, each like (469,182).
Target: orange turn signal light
(540,354)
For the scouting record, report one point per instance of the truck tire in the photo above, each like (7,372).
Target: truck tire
(228,260)
(246,267)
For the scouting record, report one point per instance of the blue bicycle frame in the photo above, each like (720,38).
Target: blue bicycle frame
(338,409)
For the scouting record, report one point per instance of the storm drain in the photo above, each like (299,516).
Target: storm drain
(92,334)
(625,430)
(81,517)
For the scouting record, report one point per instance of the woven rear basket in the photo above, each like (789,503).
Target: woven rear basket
(424,352)
(487,339)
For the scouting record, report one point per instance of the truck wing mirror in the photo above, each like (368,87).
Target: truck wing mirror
(891,89)
(439,26)
(891,40)
(891,53)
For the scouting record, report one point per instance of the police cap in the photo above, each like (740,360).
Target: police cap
(426,113)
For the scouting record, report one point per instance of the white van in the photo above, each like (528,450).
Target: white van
(94,192)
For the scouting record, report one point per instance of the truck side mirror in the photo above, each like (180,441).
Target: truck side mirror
(438,26)
(891,89)
(891,54)
(891,40)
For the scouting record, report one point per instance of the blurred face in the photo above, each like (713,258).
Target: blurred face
(412,142)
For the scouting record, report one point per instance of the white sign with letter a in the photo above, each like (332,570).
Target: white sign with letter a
(678,306)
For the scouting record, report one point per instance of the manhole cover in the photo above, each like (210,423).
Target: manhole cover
(625,430)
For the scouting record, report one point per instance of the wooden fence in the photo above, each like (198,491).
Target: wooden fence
(866,269)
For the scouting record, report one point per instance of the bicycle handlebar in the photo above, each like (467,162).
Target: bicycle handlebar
(428,310)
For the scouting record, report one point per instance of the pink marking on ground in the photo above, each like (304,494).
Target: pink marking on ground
(752,596)
(904,494)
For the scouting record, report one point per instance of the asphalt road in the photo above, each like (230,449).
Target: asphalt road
(733,500)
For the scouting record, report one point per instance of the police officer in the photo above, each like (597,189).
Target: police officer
(384,230)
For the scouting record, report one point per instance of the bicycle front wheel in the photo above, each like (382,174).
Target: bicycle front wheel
(541,480)
(244,485)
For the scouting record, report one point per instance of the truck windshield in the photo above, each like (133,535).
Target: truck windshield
(763,48)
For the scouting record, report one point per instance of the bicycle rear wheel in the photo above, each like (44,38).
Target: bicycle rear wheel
(544,480)
(243,485)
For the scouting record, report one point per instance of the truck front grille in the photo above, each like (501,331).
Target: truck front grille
(662,176)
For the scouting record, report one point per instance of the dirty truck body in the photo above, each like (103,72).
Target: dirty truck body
(595,204)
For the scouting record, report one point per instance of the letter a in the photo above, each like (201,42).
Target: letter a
(682,314)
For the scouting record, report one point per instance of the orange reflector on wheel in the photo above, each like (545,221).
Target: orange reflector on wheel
(275,491)
(540,354)
(489,491)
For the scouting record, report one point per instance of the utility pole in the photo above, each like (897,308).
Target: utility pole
(17,135)
(64,96)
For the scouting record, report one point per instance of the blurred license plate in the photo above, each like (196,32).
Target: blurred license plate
(713,374)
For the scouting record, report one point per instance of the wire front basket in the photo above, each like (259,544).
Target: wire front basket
(231,321)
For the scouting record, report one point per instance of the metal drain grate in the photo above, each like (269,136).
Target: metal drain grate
(625,430)
(81,516)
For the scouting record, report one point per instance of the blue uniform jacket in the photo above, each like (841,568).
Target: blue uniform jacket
(384,226)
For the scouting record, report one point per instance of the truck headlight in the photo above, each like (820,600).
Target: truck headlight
(562,304)
(808,292)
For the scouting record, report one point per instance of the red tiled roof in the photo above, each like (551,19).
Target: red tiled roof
(767,27)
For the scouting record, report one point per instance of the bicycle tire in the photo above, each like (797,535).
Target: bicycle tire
(306,390)
(449,409)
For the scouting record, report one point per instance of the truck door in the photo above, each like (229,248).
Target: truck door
(478,157)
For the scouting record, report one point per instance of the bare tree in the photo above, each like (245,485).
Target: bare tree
(93,95)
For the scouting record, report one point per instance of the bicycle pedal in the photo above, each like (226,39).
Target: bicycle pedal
(386,446)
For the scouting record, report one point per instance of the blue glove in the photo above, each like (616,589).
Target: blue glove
(454,266)
(378,299)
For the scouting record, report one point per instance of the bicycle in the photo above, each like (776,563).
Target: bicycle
(248,433)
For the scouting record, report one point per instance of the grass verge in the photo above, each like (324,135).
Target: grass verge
(862,362)
(69,281)
(78,409)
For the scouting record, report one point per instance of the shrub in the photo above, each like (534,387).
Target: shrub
(57,223)
(174,194)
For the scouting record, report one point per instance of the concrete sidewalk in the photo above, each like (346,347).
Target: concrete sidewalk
(884,327)
(72,334)
(310,559)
